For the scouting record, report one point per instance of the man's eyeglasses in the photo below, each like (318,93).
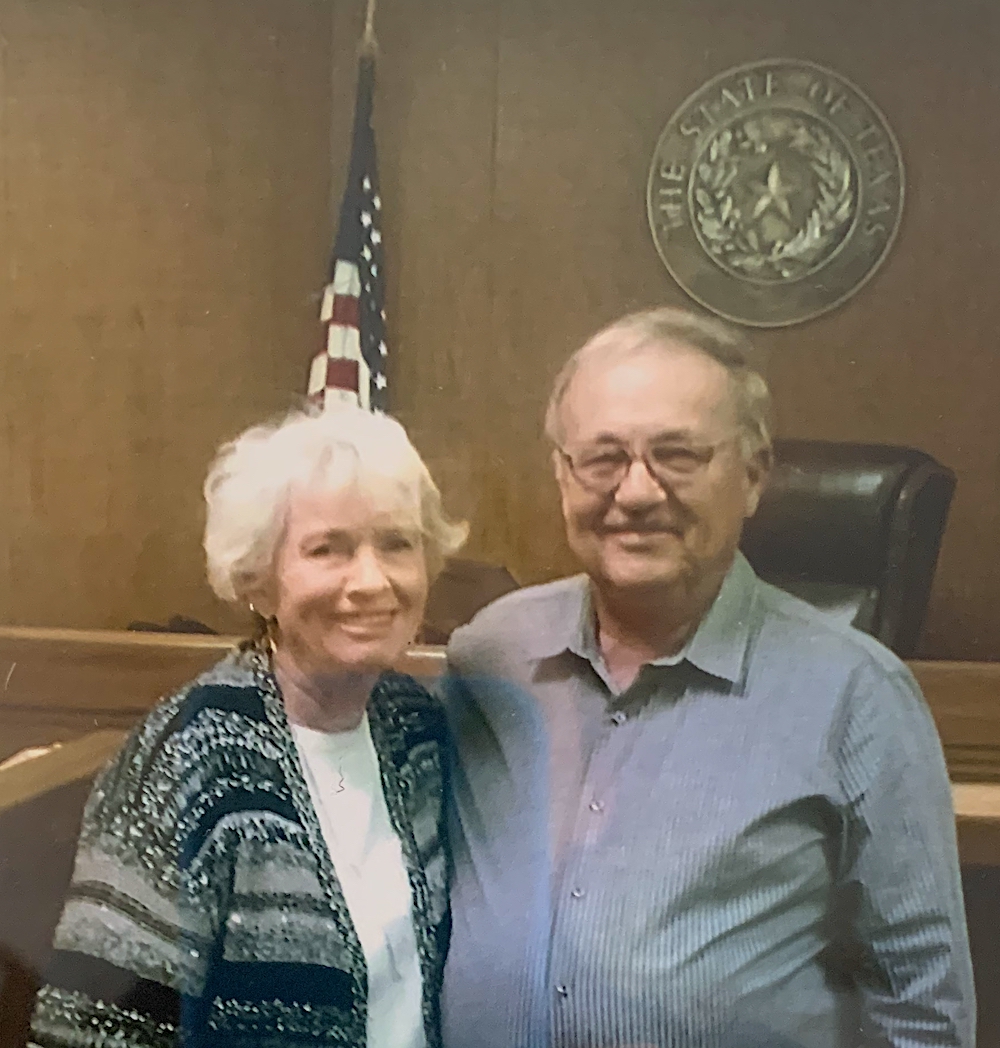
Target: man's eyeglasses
(601,468)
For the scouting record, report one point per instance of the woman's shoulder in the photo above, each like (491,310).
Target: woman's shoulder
(232,685)
(404,707)
(216,723)
(211,713)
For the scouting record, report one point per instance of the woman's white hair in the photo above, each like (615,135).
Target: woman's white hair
(252,478)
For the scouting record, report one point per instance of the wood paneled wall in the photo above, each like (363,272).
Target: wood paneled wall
(164,180)
(516,139)
(163,225)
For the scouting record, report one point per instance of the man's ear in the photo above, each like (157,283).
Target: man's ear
(758,474)
(558,465)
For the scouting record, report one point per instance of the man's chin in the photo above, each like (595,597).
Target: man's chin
(641,573)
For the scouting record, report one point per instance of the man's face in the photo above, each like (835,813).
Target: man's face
(675,406)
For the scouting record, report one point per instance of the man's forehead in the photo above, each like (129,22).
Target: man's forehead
(669,387)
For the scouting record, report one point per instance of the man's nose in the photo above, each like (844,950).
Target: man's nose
(639,487)
(366,573)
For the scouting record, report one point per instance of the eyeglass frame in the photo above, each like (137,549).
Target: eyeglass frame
(708,451)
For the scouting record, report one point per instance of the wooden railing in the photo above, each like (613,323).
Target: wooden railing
(964,698)
(58,685)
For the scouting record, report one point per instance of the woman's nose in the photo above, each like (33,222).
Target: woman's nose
(366,573)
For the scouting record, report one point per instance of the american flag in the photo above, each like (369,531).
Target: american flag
(351,365)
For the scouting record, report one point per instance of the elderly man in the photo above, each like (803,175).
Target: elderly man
(689,810)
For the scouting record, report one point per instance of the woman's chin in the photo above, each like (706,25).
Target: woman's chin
(364,655)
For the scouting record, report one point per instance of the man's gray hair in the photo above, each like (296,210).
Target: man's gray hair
(253,477)
(663,327)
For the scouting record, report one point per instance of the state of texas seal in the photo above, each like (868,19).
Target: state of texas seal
(775,192)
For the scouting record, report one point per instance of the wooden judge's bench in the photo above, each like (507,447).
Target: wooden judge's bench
(68,698)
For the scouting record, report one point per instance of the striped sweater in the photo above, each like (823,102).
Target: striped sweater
(204,908)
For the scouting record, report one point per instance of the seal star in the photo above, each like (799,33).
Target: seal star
(773,194)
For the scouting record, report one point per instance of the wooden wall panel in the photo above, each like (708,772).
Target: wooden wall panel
(582,92)
(165,184)
(166,180)
(437,116)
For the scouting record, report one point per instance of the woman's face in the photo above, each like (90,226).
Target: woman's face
(350,580)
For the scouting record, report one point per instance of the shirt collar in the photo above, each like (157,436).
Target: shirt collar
(720,643)
(718,646)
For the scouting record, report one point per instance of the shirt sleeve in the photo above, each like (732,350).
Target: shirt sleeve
(900,866)
(133,943)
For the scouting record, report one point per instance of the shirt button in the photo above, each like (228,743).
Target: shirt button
(562,990)
(619,717)
(597,806)
(577,893)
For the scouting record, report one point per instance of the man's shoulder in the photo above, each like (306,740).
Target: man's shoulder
(799,628)
(525,623)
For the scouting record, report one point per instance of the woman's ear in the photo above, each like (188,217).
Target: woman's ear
(262,602)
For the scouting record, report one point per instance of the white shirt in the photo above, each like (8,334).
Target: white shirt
(342,771)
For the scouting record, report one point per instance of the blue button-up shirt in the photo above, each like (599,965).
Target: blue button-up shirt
(752,845)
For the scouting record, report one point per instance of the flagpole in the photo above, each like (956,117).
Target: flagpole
(368,41)
(350,366)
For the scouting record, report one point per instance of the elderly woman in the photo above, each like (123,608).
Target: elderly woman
(263,863)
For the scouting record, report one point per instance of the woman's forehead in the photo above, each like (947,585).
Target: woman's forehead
(376,502)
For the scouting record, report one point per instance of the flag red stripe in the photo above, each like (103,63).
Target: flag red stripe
(346,311)
(342,373)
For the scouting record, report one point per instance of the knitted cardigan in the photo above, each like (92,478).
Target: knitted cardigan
(204,907)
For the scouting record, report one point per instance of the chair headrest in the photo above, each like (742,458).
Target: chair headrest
(827,513)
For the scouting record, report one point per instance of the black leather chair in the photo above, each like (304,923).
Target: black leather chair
(462,588)
(854,529)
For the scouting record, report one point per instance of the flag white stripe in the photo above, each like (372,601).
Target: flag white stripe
(317,374)
(346,279)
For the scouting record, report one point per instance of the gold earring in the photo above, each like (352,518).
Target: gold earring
(261,637)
